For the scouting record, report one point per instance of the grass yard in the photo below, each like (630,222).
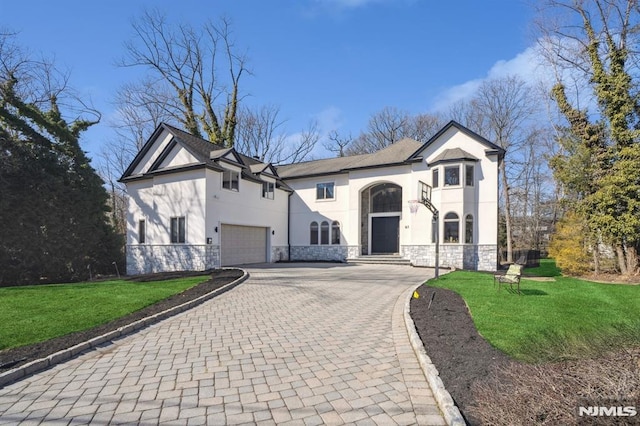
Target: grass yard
(563,319)
(33,314)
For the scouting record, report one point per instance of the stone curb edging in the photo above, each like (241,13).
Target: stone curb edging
(38,365)
(451,413)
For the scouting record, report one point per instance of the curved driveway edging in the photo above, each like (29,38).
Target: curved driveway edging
(18,373)
(452,414)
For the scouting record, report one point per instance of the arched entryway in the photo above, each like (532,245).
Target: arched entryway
(380,206)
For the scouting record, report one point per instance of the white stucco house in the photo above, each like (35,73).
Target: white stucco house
(195,206)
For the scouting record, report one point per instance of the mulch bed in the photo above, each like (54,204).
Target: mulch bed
(12,358)
(461,355)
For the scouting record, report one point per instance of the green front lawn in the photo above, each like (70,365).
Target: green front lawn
(562,319)
(33,314)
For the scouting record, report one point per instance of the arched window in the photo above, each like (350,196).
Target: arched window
(451,228)
(313,233)
(335,232)
(468,229)
(324,232)
(386,197)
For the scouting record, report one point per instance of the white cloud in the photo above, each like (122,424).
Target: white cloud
(330,118)
(527,65)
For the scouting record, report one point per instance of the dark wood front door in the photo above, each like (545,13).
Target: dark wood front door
(384,234)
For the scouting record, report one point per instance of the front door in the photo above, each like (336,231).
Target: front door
(384,234)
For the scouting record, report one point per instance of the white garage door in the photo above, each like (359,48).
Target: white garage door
(243,244)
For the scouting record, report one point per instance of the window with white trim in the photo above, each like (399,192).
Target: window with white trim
(468,175)
(313,233)
(268,189)
(434,178)
(335,232)
(178,234)
(324,232)
(451,228)
(231,180)
(325,191)
(452,175)
(142,231)
(468,229)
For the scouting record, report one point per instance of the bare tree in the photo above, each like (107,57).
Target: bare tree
(422,127)
(500,111)
(337,143)
(390,125)
(262,135)
(186,61)
(260,132)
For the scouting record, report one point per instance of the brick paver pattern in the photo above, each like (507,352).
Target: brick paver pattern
(295,344)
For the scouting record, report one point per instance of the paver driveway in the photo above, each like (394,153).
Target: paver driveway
(299,343)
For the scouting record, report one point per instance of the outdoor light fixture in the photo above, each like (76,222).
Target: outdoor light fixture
(273,232)
(216,229)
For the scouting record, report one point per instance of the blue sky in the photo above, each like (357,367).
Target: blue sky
(337,61)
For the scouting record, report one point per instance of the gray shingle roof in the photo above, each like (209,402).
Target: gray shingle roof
(454,154)
(206,153)
(396,153)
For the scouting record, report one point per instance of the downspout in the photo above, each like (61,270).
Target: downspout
(289,227)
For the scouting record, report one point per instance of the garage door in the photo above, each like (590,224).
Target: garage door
(243,244)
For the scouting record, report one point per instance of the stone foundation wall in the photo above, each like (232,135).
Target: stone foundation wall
(486,257)
(146,259)
(471,257)
(319,252)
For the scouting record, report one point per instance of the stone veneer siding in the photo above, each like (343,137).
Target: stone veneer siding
(319,252)
(460,256)
(145,258)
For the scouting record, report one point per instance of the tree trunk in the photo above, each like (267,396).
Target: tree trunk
(621,259)
(507,211)
(596,259)
(632,260)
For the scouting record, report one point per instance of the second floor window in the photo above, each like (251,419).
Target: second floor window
(468,175)
(268,190)
(325,191)
(231,180)
(452,176)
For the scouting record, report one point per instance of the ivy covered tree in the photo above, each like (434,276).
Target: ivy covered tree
(593,48)
(52,203)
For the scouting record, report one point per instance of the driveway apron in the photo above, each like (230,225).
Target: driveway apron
(301,344)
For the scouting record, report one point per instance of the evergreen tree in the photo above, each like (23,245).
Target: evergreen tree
(52,203)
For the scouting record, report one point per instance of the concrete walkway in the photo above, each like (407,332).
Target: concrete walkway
(295,344)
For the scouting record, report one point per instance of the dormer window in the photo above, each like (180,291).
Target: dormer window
(452,175)
(231,180)
(268,190)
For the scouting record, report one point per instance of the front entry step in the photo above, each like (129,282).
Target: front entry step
(382,259)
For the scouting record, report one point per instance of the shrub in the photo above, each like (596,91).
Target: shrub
(568,245)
